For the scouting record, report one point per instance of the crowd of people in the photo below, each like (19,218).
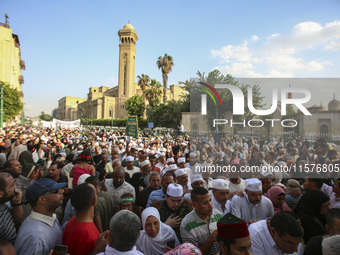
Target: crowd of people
(98,191)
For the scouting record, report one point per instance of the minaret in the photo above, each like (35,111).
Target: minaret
(127,67)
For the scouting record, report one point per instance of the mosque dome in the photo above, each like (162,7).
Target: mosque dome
(334,105)
(128,26)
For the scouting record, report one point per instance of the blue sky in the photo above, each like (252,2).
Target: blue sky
(71,45)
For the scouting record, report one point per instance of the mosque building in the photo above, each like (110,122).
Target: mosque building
(105,102)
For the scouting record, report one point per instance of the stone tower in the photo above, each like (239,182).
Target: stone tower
(127,67)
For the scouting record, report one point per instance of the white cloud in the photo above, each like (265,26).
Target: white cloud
(281,55)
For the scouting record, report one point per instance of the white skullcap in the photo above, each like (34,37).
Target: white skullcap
(82,178)
(121,141)
(180,172)
(220,184)
(146,150)
(253,184)
(144,163)
(170,160)
(193,154)
(162,149)
(181,160)
(129,158)
(172,167)
(196,177)
(175,190)
(162,154)
(156,155)
(265,172)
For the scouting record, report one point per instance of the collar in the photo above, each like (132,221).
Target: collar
(44,218)
(114,251)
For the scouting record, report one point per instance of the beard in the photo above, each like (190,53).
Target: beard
(7,198)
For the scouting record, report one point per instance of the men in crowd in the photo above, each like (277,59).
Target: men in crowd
(173,209)
(141,179)
(80,233)
(252,206)
(161,162)
(54,172)
(159,195)
(154,184)
(129,224)
(193,163)
(281,234)
(199,227)
(314,245)
(117,186)
(100,167)
(130,168)
(292,155)
(183,179)
(105,203)
(153,162)
(233,235)
(220,191)
(181,162)
(9,217)
(41,231)
(237,185)
(335,197)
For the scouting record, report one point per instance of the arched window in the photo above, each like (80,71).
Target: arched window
(111,112)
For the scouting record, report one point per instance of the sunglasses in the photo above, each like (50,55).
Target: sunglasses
(52,192)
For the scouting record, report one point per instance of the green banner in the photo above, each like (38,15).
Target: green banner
(132,127)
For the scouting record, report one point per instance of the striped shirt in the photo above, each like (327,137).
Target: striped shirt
(7,228)
(196,231)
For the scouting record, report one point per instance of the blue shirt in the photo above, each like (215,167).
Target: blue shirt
(38,234)
(155,196)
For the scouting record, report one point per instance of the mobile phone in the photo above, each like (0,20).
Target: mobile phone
(60,250)
(171,244)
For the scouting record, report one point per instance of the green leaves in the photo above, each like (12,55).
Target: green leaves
(135,106)
(12,101)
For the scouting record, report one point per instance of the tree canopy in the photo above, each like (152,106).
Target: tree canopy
(12,101)
(165,64)
(135,106)
(45,117)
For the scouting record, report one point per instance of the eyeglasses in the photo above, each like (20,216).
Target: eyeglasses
(52,192)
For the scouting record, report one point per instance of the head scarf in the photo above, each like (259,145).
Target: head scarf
(272,193)
(26,161)
(156,245)
(293,188)
(185,249)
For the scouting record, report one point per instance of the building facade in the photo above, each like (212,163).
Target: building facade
(11,63)
(105,102)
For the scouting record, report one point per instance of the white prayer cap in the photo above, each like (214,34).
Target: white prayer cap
(175,190)
(162,154)
(144,163)
(253,184)
(196,177)
(82,178)
(170,160)
(162,149)
(266,172)
(220,184)
(146,150)
(129,158)
(121,141)
(193,154)
(180,172)
(184,144)
(151,152)
(157,155)
(172,167)
(181,160)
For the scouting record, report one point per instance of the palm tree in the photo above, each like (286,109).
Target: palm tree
(165,64)
(153,92)
(143,81)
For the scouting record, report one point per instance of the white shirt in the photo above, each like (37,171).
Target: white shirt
(237,187)
(118,192)
(109,251)
(262,243)
(131,172)
(218,206)
(242,208)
